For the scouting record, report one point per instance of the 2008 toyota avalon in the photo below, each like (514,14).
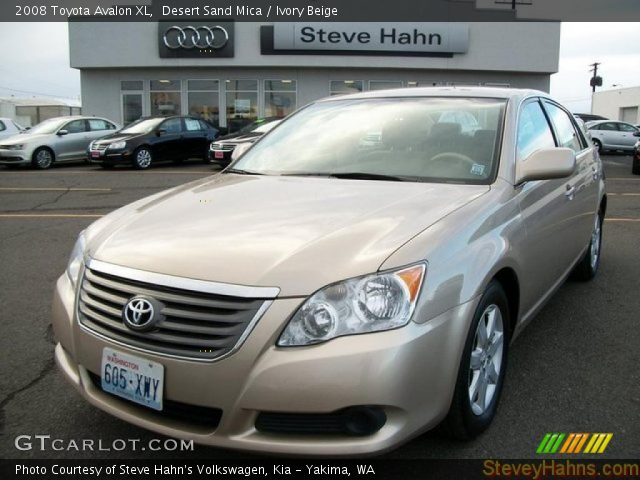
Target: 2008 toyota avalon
(326,295)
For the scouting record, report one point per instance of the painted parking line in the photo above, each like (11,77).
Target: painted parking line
(49,215)
(48,189)
(624,194)
(622,219)
(622,178)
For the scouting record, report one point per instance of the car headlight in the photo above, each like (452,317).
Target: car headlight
(18,146)
(117,145)
(373,303)
(76,259)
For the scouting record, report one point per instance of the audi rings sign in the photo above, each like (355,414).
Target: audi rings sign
(196,39)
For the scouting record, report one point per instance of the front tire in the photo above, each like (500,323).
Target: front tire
(482,367)
(635,166)
(142,158)
(588,266)
(42,158)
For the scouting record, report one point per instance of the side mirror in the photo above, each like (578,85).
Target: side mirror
(546,164)
(160,132)
(240,150)
(62,132)
(636,134)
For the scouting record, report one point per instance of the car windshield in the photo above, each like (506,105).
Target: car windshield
(142,126)
(430,139)
(48,126)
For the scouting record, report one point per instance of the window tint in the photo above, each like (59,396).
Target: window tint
(192,125)
(534,132)
(627,128)
(567,135)
(173,125)
(204,125)
(2,126)
(77,126)
(607,126)
(97,124)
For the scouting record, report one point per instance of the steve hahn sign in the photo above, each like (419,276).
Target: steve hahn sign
(439,38)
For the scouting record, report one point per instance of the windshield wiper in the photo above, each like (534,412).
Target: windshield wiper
(368,176)
(241,172)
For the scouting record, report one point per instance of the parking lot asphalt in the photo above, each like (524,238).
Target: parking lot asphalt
(574,369)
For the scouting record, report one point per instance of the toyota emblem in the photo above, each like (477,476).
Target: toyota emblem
(141,313)
(190,37)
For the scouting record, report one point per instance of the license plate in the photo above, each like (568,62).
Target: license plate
(218,154)
(95,154)
(133,378)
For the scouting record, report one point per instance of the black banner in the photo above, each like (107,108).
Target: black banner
(295,469)
(322,10)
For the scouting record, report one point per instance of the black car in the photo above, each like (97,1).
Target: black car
(589,117)
(222,149)
(635,169)
(154,139)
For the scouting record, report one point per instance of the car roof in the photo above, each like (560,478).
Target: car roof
(481,92)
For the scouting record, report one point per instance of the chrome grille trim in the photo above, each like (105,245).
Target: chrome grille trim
(194,328)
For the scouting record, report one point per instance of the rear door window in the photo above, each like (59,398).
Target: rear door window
(565,130)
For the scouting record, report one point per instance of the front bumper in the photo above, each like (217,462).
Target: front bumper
(14,157)
(110,158)
(409,373)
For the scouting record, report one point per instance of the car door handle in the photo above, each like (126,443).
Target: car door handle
(596,172)
(571,192)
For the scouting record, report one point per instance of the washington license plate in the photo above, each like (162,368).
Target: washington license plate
(133,378)
(95,154)
(218,154)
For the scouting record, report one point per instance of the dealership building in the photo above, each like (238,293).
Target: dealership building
(234,72)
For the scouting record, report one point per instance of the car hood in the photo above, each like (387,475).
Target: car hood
(295,233)
(117,137)
(19,138)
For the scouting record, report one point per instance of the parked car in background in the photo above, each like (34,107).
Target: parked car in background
(333,300)
(589,117)
(57,140)
(221,150)
(9,128)
(635,169)
(154,139)
(613,135)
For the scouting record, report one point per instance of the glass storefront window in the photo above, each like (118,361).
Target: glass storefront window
(204,100)
(384,84)
(279,97)
(342,87)
(165,97)
(131,107)
(242,103)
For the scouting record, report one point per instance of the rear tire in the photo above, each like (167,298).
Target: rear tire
(588,266)
(482,367)
(142,158)
(42,158)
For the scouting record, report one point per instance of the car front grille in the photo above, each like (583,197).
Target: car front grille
(225,147)
(194,324)
(96,147)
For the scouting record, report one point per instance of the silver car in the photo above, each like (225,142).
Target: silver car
(55,140)
(355,297)
(612,135)
(8,128)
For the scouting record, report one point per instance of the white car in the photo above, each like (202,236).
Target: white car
(613,135)
(58,139)
(9,128)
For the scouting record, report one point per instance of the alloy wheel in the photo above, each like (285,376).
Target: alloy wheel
(44,159)
(486,359)
(143,158)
